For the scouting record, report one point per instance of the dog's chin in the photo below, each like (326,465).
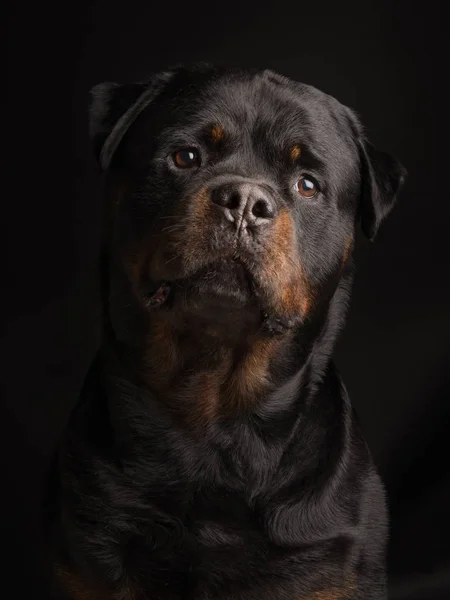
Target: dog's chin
(225,283)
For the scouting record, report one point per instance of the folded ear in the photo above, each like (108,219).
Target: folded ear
(113,109)
(382,176)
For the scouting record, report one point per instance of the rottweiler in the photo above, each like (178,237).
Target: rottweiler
(214,453)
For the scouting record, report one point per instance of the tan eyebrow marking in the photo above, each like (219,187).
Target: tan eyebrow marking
(295,152)
(217,133)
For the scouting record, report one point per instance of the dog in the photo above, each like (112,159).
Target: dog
(214,453)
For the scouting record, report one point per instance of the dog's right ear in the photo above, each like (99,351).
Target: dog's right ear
(113,109)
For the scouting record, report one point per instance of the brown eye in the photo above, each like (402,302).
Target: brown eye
(187,158)
(307,187)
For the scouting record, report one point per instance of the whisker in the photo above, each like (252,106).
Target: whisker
(172,259)
(171,228)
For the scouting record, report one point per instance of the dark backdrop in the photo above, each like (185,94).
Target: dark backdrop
(387,60)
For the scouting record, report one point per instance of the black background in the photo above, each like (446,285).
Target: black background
(386,59)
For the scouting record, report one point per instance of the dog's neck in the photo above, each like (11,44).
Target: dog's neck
(201,371)
(208,373)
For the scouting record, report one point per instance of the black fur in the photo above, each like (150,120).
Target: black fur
(274,498)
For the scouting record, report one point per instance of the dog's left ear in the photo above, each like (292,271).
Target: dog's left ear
(382,176)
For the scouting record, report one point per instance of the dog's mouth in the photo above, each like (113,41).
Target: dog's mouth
(226,281)
(224,291)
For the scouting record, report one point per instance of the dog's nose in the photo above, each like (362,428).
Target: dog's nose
(245,204)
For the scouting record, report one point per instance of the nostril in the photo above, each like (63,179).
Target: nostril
(263,209)
(233,201)
(227,198)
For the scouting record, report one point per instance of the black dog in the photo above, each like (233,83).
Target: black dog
(214,453)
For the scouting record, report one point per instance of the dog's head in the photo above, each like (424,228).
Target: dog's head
(236,192)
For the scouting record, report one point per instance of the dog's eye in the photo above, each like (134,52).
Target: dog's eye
(307,187)
(188,158)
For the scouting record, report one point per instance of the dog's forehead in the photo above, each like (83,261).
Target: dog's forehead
(259,92)
(284,110)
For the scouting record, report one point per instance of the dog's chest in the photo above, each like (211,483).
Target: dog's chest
(217,562)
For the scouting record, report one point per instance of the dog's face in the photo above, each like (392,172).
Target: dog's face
(236,192)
